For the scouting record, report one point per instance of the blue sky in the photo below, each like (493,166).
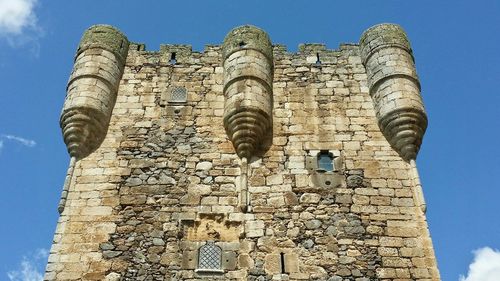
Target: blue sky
(456,45)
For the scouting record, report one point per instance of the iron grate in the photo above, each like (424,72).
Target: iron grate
(210,256)
(178,94)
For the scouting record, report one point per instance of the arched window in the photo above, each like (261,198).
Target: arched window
(210,258)
(325,161)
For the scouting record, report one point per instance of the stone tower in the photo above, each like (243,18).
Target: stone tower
(243,162)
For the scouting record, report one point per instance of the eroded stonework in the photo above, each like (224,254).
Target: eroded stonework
(220,149)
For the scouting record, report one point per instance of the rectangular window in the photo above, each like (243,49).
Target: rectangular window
(325,161)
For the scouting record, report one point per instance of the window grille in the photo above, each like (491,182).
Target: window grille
(210,257)
(178,95)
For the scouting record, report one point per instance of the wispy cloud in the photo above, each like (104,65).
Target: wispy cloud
(23,141)
(20,140)
(30,268)
(19,23)
(485,267)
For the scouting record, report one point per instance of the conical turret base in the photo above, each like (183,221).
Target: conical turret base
(404,129)
(246,129)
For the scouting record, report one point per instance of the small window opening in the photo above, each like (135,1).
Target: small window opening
(283,269)
(138,47)
(242,44)
(173,60)
(178,95)
(209,258)
(121,45)
(318,61)
(325,161)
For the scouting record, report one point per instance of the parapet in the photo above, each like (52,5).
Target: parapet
(105,37)
(383,35)
(247,37)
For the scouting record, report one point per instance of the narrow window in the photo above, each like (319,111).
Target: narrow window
(283,269)
(172,60)
(210,258)
(325,161)
(318,61)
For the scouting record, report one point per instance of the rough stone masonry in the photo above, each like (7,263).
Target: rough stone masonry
(243,162)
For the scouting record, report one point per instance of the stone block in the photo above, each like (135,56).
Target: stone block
(97,211)
(229,260)
(274,179)
(254,228)
(291,263)
(272,264)
(310,198)
(245,261)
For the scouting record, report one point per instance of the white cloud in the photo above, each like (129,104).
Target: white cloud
(19,24)
(17,16)
(31,267)
(20,140)
(23,141)
(485,267)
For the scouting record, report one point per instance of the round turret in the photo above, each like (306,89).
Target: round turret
(92,89)
(248,79)
(394,87)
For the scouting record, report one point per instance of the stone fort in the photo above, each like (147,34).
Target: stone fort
(243,161)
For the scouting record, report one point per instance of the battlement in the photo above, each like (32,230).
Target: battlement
(303,48)
(308,53)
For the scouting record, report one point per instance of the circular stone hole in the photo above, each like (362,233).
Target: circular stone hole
(328,182)
(177,111)
(242,44)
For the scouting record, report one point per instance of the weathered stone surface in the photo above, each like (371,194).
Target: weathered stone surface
(272,264)
(310,198)
(248,78)
(204,166)
(113,276)
(111,254)
(312,224)
(395,88)
(167,178)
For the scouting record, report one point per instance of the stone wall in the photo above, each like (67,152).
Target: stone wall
(166,180)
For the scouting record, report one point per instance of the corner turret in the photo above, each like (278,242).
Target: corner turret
(394,87)
(91,93)
(92,89)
